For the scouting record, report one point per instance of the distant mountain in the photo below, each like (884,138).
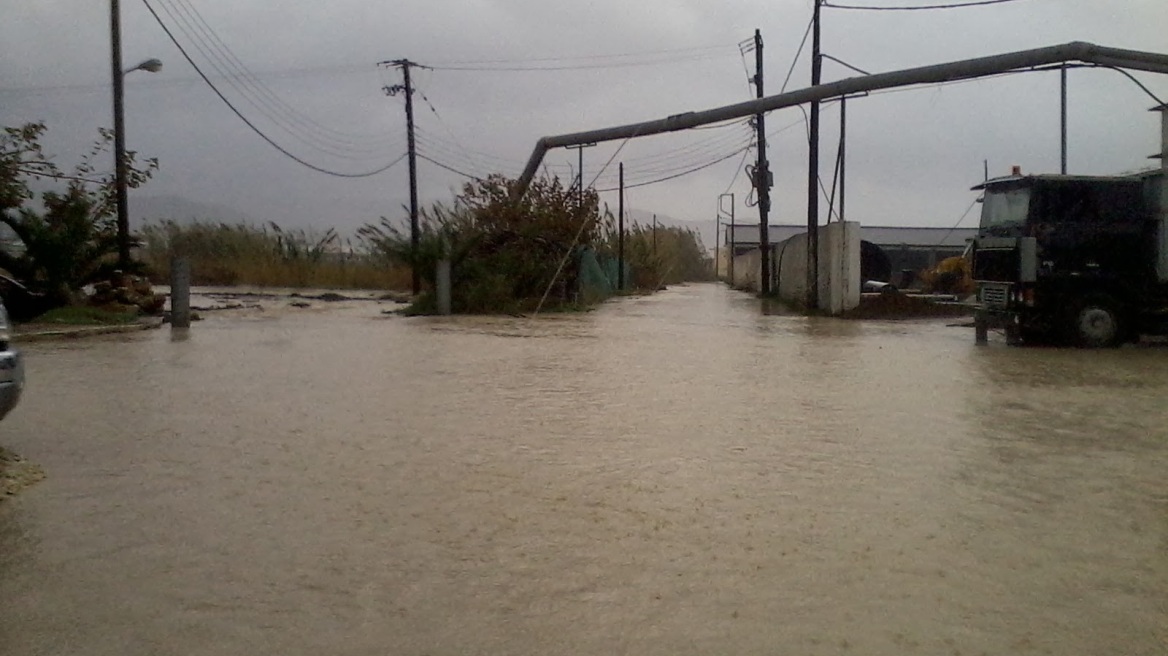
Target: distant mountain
(152,209)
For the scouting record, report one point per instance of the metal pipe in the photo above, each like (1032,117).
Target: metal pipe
(966,69)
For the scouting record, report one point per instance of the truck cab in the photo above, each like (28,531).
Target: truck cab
(1072,258)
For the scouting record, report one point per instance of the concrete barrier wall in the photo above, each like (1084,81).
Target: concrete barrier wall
(839,268)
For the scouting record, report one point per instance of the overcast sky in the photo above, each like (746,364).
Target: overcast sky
(912,156)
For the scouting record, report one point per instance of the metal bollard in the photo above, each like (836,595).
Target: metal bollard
(442,286)
(180,293)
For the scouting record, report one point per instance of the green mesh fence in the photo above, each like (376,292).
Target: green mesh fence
(598,275)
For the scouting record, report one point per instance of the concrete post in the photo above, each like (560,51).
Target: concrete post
(442,286)
(180,293)
(981,329)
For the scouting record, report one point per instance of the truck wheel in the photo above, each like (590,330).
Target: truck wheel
(1097,325)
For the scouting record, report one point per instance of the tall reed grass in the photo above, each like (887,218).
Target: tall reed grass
(267,256)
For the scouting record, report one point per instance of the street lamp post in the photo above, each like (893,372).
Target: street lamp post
(120,182)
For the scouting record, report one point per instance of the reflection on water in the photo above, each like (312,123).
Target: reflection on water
(680,473)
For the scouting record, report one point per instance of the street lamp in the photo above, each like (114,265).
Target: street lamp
(153,66)
(150,65)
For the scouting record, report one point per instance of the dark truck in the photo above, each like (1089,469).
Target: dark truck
(1073,259)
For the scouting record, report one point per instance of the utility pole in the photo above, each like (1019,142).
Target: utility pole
(405,65)
(120,195)
(620,233)
(1063,122)
(654,236)
(717,245)
(580,170)
(763,180)
(843,155)
(813,169)
(729,234)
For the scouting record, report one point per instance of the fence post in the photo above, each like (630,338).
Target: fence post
(442,286)
(180,293)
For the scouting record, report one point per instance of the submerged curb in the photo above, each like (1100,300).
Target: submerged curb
(36,333)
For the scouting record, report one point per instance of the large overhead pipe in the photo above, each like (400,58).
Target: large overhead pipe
(966,69)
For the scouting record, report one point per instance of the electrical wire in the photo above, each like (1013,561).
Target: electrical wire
(570,68)
(1130,77)
(448,167)
(474,159)
(438,116)
(954,5)
(844,63)
(743,48)
(644,53)
(802,44)
(585,62)
(90,87)
(222,60)
(677,175)
(262,90)
(965,214)
(248,122)
(237,82)
(687,163)
(739,168)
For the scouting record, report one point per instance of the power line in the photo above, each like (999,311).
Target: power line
(229,57)
(218,61)
(738,169)
(1133,79)
(248,122)
(798,52)
(449,168)
(843,63)
(955,5)
(189,80)
(954,227)
(450,151)
(678,175)
(271,106)
(533,67)
(545,60)
(674,165)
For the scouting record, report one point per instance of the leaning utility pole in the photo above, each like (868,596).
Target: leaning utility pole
(813,169)
(408,90)
(762,176)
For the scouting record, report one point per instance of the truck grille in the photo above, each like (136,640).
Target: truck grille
(995,295)
(998,264)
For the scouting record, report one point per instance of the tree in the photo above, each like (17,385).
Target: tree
(504,254)
(68,237)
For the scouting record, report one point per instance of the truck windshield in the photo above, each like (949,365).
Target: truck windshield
(1006,207)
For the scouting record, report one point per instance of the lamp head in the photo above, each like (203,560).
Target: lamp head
(151,65)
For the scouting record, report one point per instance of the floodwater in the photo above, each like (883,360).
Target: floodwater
(675,474)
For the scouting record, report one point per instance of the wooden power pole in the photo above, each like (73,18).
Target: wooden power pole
(763,180)
(407,88)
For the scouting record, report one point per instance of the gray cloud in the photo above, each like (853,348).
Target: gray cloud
(912,156)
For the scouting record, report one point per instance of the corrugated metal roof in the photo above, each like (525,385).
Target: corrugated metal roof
(892,236)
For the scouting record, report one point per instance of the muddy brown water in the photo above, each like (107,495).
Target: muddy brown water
(677,474)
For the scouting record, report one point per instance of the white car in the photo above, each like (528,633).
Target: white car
(11,367)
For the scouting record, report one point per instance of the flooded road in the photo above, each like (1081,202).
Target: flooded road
(677,474)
